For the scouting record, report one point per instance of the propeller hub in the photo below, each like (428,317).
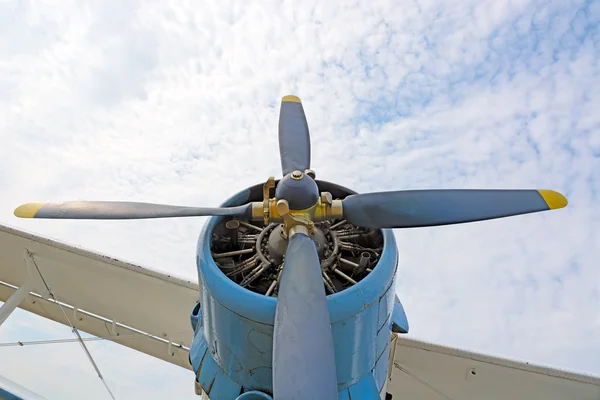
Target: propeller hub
(301,192)
(278,242)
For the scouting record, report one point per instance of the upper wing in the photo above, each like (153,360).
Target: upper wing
(133,306)
(426,371)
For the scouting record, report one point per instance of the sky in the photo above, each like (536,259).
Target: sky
(178,102)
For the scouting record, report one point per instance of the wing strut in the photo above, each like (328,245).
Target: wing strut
(32,266)
(13,301)
(21,293)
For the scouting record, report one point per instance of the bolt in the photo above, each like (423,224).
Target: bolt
(310,173)
(297,175)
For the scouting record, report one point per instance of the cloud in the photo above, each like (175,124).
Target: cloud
(179,104)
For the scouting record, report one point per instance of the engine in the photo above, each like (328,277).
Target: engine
(252,256)
(239,263)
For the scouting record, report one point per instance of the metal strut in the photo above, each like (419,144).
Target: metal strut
(15,299)
(22,292)
(30,260)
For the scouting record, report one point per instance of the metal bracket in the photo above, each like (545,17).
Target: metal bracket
(113,328)
(268,210)
(76,315)
(269,184)
(294,223)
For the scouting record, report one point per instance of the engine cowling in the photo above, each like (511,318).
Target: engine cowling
(233,325)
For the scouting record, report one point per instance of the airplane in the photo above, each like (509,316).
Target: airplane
(296,290)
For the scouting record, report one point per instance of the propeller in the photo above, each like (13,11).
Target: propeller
(303,353)
(294,139)
(123,210)
(303,349)
(416,208)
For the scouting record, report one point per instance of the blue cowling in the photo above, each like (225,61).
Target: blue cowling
(254,395)
(10,390)
(233,340)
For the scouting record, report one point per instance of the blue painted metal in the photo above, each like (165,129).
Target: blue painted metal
(344,395)
(294,138)
(130,210)
(414,208)
(10,390)
(399,320)
(4,395)
(300,193)
(254,395)
(380,372)
(195,316)
(213,379)
(365,389)
(303,352)
(235,325)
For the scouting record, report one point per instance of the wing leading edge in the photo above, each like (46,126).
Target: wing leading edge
(125,303)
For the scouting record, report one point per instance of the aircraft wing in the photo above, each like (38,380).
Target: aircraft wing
(420,370)
(136,307)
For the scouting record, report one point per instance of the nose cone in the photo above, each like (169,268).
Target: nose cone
(300,190)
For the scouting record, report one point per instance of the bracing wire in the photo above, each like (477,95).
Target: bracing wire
(73,328)
(58,341)
(423,382)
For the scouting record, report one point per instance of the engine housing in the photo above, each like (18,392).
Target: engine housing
(233,326)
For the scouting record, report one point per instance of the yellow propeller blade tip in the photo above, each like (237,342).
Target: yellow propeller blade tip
(290,98)
(28,210)
(553,199)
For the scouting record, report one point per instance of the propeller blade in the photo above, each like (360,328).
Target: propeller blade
(122,210)
(294,139)
(415,208)
(303,353)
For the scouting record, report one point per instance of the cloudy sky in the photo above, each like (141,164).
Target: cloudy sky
(177,102)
